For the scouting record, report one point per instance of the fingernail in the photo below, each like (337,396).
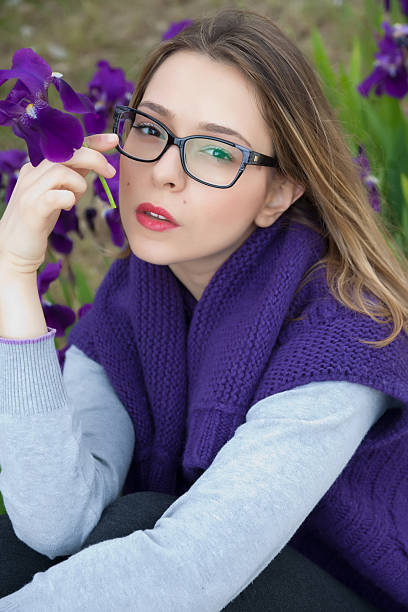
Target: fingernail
(112,170)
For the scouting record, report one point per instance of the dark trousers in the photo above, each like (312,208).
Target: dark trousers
(290,582)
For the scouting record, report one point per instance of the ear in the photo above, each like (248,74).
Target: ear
(284,191)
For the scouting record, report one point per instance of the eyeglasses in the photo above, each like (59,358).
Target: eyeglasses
(213,161)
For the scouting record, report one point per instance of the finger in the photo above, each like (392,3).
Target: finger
(83,165)
(60,198)
(58,177)
(86,159)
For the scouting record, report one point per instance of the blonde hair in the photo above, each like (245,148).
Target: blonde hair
(362,257)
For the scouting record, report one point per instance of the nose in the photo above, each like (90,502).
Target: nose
(168,170)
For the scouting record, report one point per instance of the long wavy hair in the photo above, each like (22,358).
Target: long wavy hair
(362,259)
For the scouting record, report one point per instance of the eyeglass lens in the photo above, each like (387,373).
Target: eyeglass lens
(208,160)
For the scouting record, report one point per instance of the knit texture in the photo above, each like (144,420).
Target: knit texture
(188,372)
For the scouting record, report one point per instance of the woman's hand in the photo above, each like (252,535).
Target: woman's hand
(40,194)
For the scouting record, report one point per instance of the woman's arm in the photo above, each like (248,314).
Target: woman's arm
(66,443)
(216,538)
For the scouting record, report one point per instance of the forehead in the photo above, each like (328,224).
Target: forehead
(197,88)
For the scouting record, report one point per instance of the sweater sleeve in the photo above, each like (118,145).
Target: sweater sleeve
(213,541)
(66,443)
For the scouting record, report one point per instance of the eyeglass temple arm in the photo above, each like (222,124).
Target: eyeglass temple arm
(257,159)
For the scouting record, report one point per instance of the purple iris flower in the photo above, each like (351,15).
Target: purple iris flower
(10,163)
(112,218)
(107,88)
(48,132)
(387,5)
(67,222)
(176,27)
(368,179)
(57,316)
(389,75)
(90,214)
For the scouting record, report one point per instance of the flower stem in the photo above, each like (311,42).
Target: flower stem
(104,185)
(108,192)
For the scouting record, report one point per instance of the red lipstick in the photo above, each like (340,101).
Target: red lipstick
(155,223)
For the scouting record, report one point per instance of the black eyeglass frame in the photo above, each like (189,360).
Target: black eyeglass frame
(249,158)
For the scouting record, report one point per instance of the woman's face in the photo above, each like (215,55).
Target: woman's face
(212,223)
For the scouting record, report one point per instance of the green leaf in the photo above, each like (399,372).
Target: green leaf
(324,68)
(404,187)
(355,63)
(82,290)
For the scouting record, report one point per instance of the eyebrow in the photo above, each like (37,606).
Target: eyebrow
(212,127)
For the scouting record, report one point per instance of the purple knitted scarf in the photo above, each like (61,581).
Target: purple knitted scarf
(188,372)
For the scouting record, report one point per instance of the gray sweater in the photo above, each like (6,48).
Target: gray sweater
(66,442)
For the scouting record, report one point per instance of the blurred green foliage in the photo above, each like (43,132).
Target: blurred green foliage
(378,123)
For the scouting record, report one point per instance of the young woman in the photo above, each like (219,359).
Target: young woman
(230,428)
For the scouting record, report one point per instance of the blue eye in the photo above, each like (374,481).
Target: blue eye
(147,129)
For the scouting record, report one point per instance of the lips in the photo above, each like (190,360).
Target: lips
(148,207)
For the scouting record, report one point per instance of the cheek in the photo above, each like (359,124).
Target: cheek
(130,179)
(234,207)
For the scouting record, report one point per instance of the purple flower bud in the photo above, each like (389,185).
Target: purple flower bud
(176,27)
(368,179)
(48,275)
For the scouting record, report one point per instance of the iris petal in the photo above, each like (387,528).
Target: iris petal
(112,218)
(376,77)
(68,222)
(397,86)
(60,134)
(61,243)
(95,123)
(72,101)
(31,138)
(59,317)
(12,160)
(31,69)
(48,275)
(10,188)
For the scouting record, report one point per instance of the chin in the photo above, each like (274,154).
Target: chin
(150,254)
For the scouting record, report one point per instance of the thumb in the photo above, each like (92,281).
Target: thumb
(101,142)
